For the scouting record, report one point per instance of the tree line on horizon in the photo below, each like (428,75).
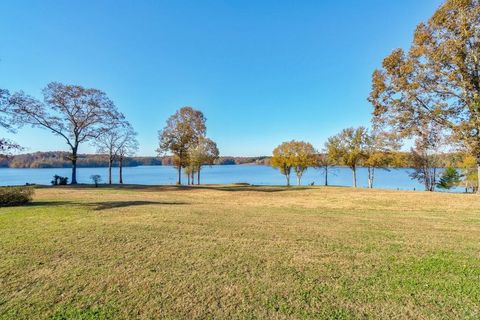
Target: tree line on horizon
(60,159)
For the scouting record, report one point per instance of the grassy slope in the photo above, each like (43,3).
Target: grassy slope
(240,252)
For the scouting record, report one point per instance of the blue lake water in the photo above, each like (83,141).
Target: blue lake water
(253,174)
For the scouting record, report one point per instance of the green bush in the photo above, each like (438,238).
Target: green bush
(15,196)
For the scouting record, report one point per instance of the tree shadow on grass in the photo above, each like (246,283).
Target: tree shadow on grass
(99,206)
(226,188)
(47,203)
(104,205)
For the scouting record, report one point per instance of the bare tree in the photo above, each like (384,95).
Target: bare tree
(425,155)
(108,143)
(182,131)
(128,146)
(325,162)
(4,119)
(75,113)
(6,146)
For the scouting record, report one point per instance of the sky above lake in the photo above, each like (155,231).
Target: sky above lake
(262,72)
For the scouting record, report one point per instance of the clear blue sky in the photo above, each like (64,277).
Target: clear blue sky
(262,72)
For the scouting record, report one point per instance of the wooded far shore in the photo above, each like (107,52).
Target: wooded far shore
(60,159)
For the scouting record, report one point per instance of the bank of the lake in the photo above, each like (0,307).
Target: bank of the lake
(219,174)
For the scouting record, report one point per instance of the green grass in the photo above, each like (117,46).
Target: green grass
(240,252)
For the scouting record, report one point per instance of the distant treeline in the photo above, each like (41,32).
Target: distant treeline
(263,160)
(61,159)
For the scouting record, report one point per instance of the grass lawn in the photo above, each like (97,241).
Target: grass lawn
(240,252)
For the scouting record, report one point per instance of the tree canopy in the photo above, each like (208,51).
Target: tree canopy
(296,155)
(437,80)
(182,132)
(205,152)
(75,113)
(348,148)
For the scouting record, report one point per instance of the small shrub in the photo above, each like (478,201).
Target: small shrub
(59,181)
(96,178)
(450,178)
(15,196)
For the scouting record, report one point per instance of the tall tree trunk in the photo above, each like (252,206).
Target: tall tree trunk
(74,165)
(370,177)
(326,175)
(287,176)
(354,174)
(299,179)
(188,178)
(193,177)
(478,174)
(120,170)
(179,181)
(198,176)
(110,162)
(373,175)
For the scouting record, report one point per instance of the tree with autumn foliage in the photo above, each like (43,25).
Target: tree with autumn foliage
(377,152)
(282,160)
(469,173)
(348,148)
(304,157)
(437,80)
(296,155)
(205,152)
(183,131)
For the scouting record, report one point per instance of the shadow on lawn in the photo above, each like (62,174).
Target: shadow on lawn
(98,206)
(48,203)
(226,188)
(105,205)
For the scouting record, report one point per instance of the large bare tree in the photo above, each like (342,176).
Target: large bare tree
(183,131)
(437,80)
(75,113)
